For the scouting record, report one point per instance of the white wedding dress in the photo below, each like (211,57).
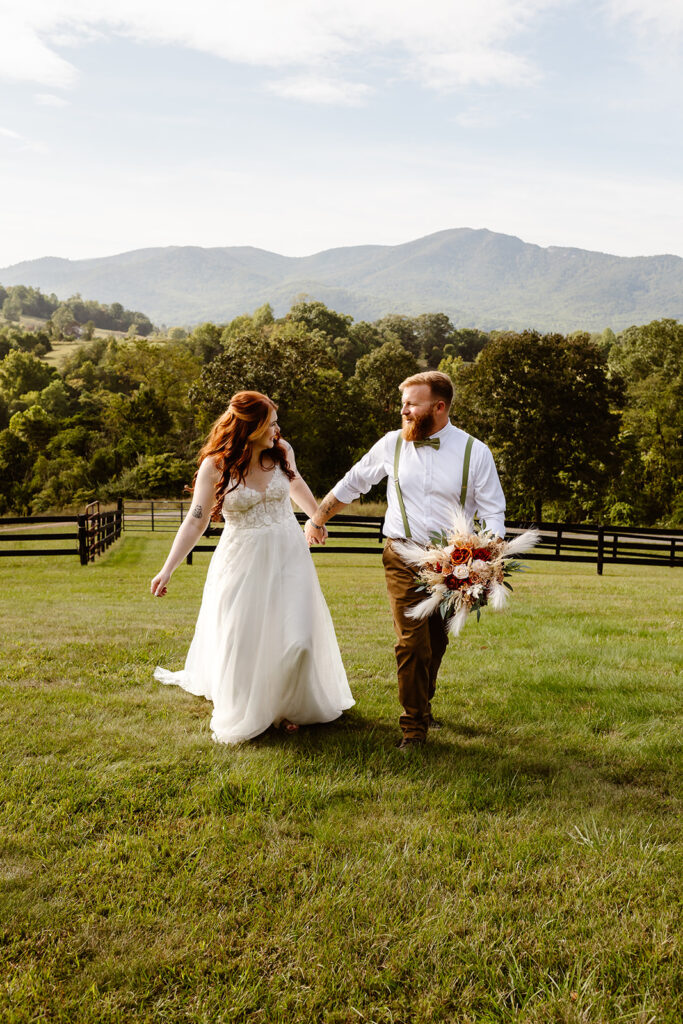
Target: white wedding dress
(264,646)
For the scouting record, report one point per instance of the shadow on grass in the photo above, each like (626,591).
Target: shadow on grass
(488,767)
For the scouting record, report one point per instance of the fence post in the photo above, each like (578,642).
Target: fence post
(152,507)
(119,517)
(601,548)
(83,539)
(558,542)
(672,560)
(181,513)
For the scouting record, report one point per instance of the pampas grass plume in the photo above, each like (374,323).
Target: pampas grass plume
(457,621)
(427,607)
(498,596)
(525,542)
(411,553)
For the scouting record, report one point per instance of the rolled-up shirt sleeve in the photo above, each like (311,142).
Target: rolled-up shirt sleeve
(488,494)
(360,478)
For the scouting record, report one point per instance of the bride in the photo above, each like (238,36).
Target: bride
(264,649)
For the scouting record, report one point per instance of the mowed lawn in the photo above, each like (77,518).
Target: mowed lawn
(525,867)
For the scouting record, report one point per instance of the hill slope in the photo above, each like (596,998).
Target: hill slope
(477,277)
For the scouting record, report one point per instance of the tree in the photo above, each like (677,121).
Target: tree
(317,317)
(155,476)
(56,399)
(544,405)
(15,462)
(650,361)
(37,342)
(433,331)
(278,360)
(64,321)
(402,329)
(21,372)
(32,425)
(360,339)
(205,342)
(375,386)
(466,343)
(12,308)
(295,368)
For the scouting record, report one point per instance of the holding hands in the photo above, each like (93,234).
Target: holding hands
(315,534)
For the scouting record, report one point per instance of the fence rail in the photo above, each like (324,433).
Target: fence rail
(562,542)
(159,515)
(94,531)
(91,533)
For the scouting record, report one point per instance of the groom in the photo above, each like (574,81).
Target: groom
(432,467)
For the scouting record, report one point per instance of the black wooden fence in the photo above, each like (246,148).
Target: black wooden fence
(88,534)
(598,545)
(92,532)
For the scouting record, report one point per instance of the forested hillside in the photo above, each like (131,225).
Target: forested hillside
(583,427)
(477,277)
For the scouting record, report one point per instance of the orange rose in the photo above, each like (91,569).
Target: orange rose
(460,555)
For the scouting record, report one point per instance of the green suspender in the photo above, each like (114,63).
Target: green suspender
(397,454)
(463,489)
(466,470)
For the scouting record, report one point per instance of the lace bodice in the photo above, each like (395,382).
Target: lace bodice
(247,509)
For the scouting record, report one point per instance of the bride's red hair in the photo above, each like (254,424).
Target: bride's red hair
(230,443)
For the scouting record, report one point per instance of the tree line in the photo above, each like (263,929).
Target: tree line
(71,316)
(584,428)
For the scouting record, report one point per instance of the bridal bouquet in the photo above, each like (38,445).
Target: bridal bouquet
(464,571)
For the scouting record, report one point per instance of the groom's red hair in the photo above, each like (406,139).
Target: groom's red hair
(230,442)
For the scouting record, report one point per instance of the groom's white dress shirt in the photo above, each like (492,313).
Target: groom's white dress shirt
(430,481)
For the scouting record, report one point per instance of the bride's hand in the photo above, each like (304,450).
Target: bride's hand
(314,535)
(159,584)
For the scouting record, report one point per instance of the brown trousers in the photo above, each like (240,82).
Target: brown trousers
(419,647)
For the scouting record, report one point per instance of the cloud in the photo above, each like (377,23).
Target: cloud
(663,18)
(442,44)
(48,99)
(24,57)
(447,71)
(20,142)
(314,89)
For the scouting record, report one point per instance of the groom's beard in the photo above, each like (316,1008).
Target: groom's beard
(419,428)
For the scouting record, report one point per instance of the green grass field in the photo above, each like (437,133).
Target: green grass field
(526,867)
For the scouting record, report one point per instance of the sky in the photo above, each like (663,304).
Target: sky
(303,125)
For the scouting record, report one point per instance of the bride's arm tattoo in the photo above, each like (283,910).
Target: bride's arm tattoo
(198,511)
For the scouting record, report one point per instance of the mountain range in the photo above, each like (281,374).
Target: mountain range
(478,278)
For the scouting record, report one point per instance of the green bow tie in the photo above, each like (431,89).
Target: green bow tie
(432,442)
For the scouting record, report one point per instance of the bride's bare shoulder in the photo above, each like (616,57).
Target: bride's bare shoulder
(208,470)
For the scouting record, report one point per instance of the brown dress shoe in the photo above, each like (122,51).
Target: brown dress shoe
(410,743)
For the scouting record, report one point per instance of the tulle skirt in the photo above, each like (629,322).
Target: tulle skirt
(264,646)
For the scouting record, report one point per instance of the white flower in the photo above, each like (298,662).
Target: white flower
(475,590)
(479,565)
(461,572)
